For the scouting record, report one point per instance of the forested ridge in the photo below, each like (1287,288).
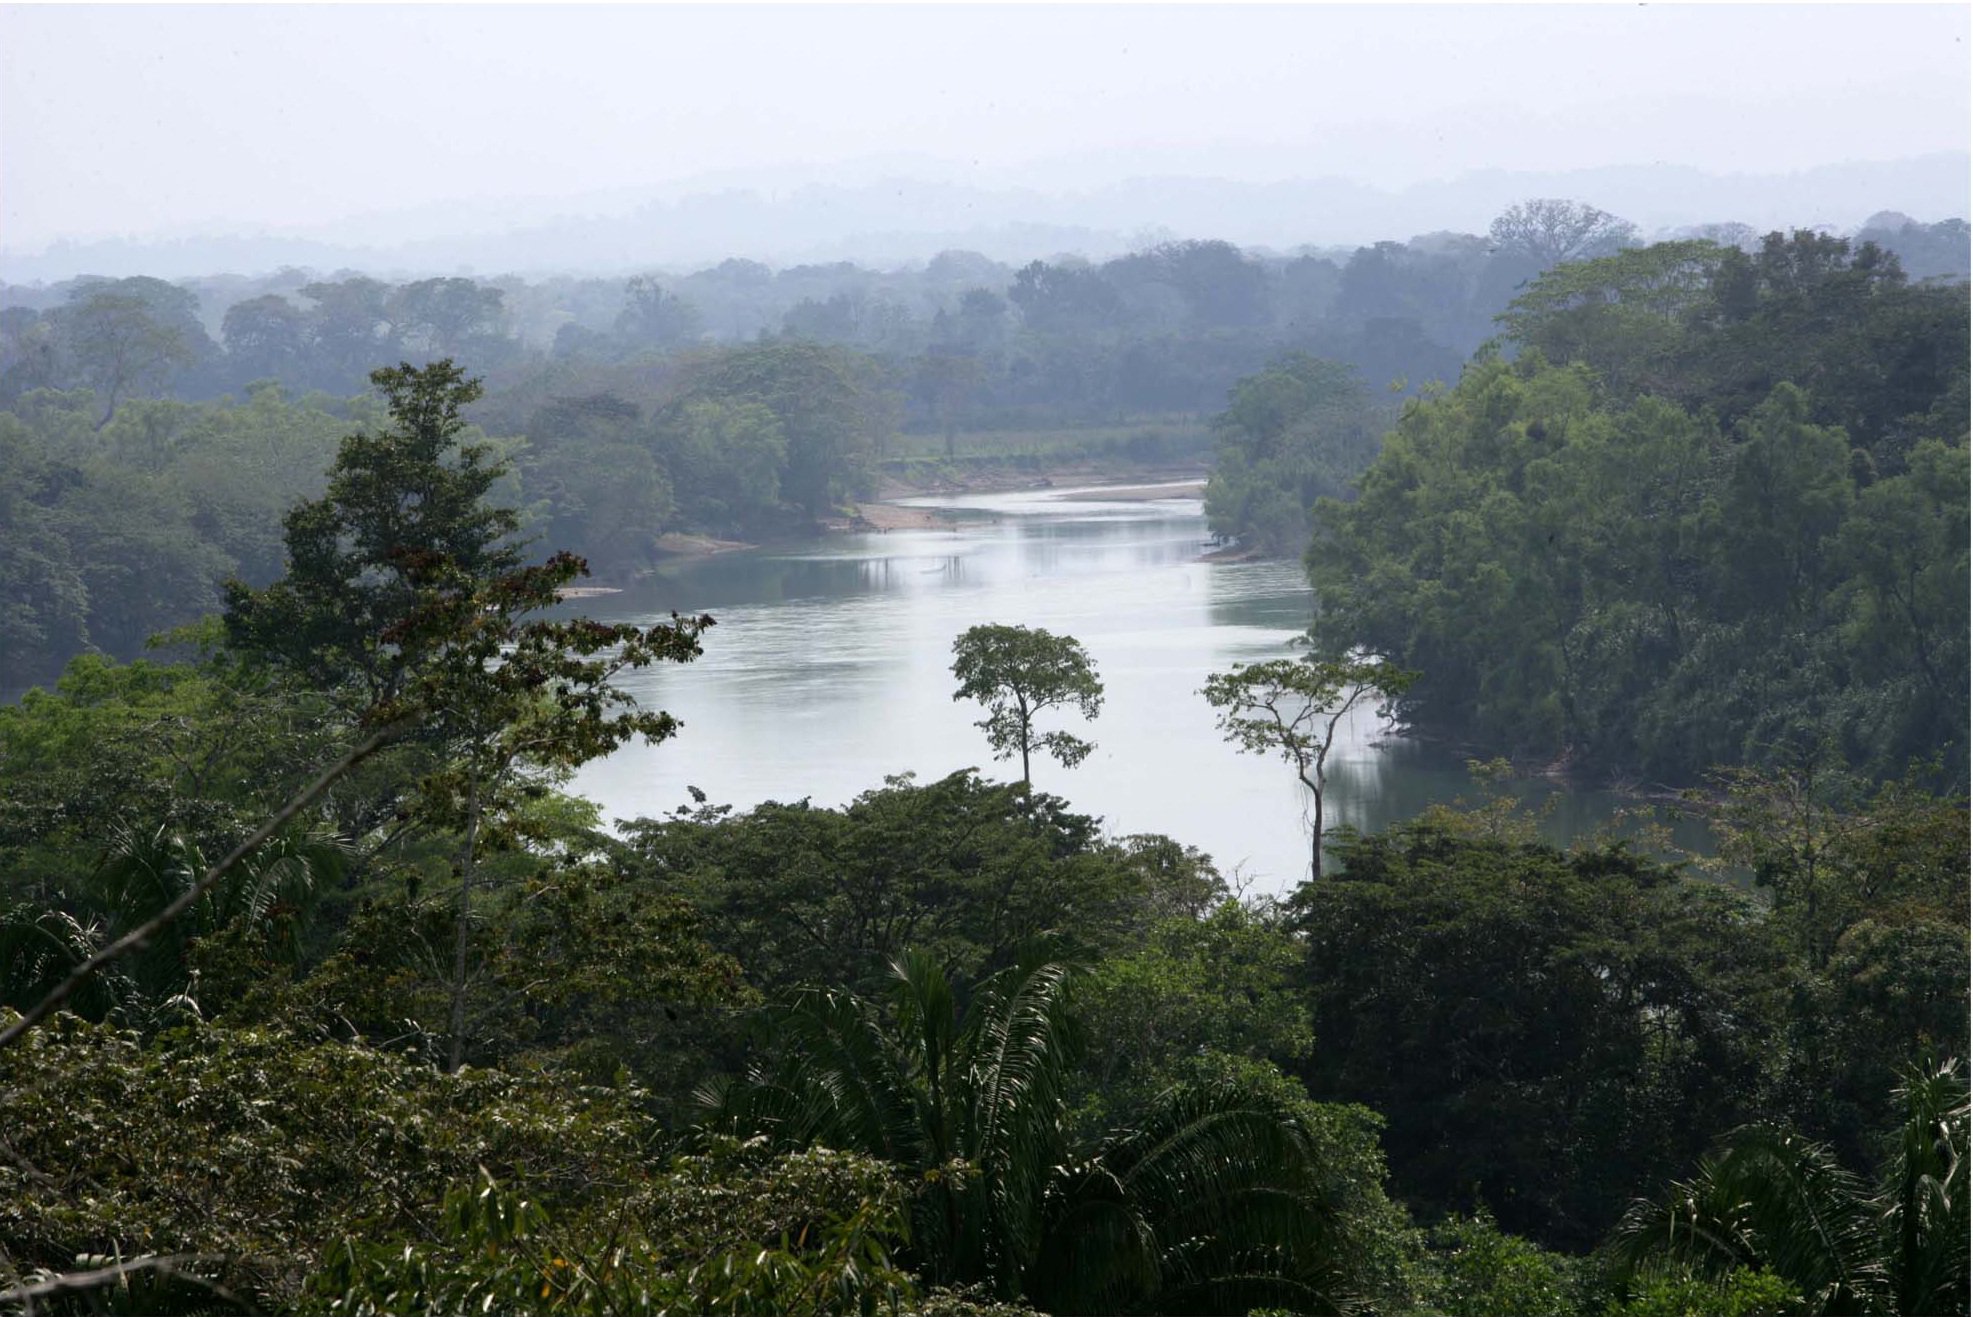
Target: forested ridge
(321,992)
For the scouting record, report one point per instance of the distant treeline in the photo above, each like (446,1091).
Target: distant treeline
(968,343)
(110,533)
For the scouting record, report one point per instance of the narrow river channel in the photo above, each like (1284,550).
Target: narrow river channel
(829,669)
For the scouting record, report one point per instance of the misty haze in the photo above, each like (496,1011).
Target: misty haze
(985,660)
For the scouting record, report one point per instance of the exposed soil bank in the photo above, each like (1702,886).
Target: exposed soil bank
(1141,493)
(674,544)
(867,517)
(1007,480)
(1131,485)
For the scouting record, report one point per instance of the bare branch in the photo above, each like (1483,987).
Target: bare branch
(81,1282)
(140,937)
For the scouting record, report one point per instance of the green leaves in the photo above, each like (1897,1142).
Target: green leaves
(1773,1200)
(1656,542)
(1211,1201)
(1293,707)
(1300,430)
(1018,672)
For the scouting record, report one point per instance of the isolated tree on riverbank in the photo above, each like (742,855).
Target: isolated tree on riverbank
(1292,707)
(1018,672)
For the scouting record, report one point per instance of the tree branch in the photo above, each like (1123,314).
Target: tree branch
(140,937)
(81,1282)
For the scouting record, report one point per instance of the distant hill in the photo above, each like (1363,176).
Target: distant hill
(907,220)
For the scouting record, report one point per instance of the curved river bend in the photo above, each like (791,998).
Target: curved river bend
(830,668)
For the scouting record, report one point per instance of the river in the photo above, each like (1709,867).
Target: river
(830,669)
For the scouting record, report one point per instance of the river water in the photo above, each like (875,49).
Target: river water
(830,668)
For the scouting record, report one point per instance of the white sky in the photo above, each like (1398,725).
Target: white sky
(122,120)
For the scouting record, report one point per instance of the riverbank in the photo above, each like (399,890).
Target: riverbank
(1141,493)
(1091,483)
(1084,482)
(676,544)
(1011,479)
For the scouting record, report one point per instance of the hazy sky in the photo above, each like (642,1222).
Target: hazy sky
(160,119)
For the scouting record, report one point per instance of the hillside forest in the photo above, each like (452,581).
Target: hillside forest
(322,991)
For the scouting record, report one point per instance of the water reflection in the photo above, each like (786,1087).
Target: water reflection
(830,668)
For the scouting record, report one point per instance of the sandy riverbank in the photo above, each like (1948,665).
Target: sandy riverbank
(1010,480)
(884,514)
(1139,493)
(673,544)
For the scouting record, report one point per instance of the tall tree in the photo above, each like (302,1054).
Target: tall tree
(1018,672)
(1293,708)
(653,317)
(1549,231)
(119,346)
(406,592)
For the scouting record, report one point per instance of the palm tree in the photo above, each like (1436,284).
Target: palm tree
(1770,1198)
(40,947)
(265,897)
(1207,1204)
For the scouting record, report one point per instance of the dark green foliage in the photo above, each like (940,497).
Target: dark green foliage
(1201,991)
(261,1147)
(406,598)
(1740,1293)
(602,493)
(731,1232)
(1477,1272)
(107,537)
(1208,1202)
(825,402)
(1730,527)
(1869,889)
(576,967)
(1623,583)
(1772,1199)
(404,505)
(1547,1034)
(965,869)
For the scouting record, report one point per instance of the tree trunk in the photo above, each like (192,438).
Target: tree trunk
(1027,740)
(1315,873)
(456,1046)
(1315,785)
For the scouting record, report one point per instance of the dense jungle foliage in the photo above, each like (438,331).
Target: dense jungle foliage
(1713,512)
(321,993)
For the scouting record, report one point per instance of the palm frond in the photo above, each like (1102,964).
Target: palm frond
(1019,1044)
(1772,1199)
(41,948)
(1210,1203)
(1922,1201)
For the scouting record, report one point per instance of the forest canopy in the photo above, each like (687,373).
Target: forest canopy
(322,992)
